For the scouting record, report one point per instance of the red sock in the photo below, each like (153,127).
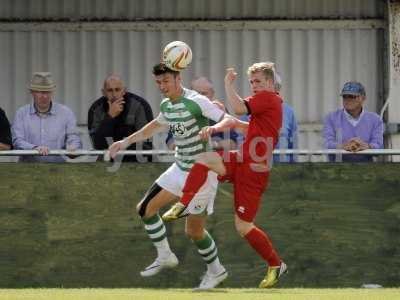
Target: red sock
(195,180)
(260,242)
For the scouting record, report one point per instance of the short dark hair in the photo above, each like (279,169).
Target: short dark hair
(162,68)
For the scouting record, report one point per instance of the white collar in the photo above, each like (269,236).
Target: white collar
(353,121)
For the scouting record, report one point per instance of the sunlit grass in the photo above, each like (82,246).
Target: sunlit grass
(186,294)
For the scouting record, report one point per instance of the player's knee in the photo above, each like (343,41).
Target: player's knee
(143,208)
(243,227)
(145,211)
(241,231)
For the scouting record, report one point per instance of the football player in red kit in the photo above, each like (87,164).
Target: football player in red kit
(247,169)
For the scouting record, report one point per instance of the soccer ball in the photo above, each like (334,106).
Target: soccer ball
(177,55)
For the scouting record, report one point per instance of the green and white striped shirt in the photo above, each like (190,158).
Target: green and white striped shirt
(185,117)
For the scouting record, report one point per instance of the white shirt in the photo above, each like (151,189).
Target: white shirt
(353,121)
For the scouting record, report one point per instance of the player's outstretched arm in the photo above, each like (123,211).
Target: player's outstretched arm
(234,99)
(242,126)
(228,122)
(143,134)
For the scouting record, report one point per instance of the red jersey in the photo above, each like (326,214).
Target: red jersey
(265,109)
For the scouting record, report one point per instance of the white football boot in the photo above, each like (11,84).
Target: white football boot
(159,264)
(210,280)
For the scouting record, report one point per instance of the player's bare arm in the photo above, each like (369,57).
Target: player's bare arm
(242,126)
(234,99)
(228,122)
(143,134)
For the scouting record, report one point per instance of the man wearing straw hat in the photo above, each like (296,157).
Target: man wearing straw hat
(44,125)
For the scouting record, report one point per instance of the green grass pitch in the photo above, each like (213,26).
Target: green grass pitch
(187,294)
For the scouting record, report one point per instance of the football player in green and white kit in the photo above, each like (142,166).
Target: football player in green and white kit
(185,112)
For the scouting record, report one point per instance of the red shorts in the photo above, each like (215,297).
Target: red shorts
(248,185)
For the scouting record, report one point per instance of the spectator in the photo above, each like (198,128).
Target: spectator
(220,140)
(288,134)
(352,127)
(44,125)
(116,115)
(5,132)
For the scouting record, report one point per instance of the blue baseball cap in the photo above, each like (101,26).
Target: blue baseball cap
(353,88)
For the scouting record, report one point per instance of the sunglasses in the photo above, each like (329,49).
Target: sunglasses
(349,96)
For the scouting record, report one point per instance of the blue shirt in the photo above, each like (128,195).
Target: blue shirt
(55,129)
(287,136)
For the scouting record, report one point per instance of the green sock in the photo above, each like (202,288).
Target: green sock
(156,231)
(209,252)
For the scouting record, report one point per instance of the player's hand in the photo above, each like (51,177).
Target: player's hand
(115,107)
(115,147)
(206,132)
(230,76)
(43,150)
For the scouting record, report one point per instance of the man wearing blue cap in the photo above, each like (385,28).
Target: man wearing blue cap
(352,127)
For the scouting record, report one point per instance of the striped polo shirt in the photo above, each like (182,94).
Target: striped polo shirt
(185,117)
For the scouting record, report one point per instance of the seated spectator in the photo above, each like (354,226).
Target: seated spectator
(352,127)
(5,132)
(288,133)
(116,115)
(220,140)
(44,125)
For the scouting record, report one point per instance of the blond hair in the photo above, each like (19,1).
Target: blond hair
(268,68)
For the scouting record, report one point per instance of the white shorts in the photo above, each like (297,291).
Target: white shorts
(173,181)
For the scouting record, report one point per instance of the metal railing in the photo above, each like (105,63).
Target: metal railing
(105,153)
(84,152)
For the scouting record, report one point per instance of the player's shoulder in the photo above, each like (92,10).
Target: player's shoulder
(276,97)
(266,94)
(269,99)
(192,95)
